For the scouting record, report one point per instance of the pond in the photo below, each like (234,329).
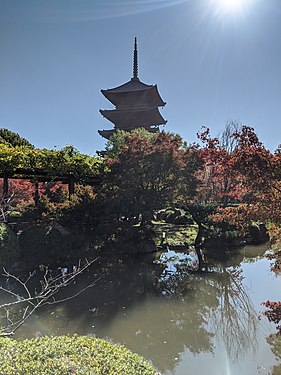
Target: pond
(184,322)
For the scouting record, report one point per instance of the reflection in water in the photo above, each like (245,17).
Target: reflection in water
(222,302)
(159,309)
(275,343)
(162,330)
(235,319)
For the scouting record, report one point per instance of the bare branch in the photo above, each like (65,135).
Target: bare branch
(72,296)
(22,283)
(6,206)
(50,285)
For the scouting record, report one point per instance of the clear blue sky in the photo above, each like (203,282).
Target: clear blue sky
(211,65)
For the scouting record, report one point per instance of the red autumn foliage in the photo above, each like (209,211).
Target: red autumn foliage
(246,173)
(21,191)
(273,313)
(220,183)
(260,168)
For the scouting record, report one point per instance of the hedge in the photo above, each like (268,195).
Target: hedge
(61,355)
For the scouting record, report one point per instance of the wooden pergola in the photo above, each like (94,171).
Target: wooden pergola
(37,176)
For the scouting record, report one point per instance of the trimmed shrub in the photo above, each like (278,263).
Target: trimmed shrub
(9,246)
(61,355)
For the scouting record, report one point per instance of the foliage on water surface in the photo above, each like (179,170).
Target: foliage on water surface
(61,355)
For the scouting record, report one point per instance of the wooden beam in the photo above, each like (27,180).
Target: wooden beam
(71,186)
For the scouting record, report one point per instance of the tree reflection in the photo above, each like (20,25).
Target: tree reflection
(275,342)
(224,305)
(161,330)
(158,311)
(235,319)
(151,314)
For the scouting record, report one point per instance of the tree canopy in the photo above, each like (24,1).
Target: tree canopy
(13,139)
(149,170)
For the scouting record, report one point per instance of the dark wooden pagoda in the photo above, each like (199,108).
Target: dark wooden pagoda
(136,104)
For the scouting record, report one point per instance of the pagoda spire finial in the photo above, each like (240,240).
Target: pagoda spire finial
(135,67)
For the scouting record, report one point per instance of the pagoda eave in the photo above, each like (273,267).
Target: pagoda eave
(134,118)
(133,85)
(143,98)
(108,133)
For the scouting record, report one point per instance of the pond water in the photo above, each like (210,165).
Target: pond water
(184,322)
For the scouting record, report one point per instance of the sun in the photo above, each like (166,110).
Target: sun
(231,4)
(226,6)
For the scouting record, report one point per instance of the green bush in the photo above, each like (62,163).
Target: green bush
(9,247)
(61,355)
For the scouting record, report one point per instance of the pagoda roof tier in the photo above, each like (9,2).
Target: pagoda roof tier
(134,94)
(108,133)
(126,119)
(133,85)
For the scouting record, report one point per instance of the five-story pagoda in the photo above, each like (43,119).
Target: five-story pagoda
(136,104)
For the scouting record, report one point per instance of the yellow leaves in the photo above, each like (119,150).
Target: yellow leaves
(51,162)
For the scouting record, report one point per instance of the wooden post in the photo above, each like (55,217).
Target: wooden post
(71,186)
(5,186)
(36,193)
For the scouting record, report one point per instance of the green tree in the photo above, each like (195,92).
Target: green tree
(147,171)
(13,139)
